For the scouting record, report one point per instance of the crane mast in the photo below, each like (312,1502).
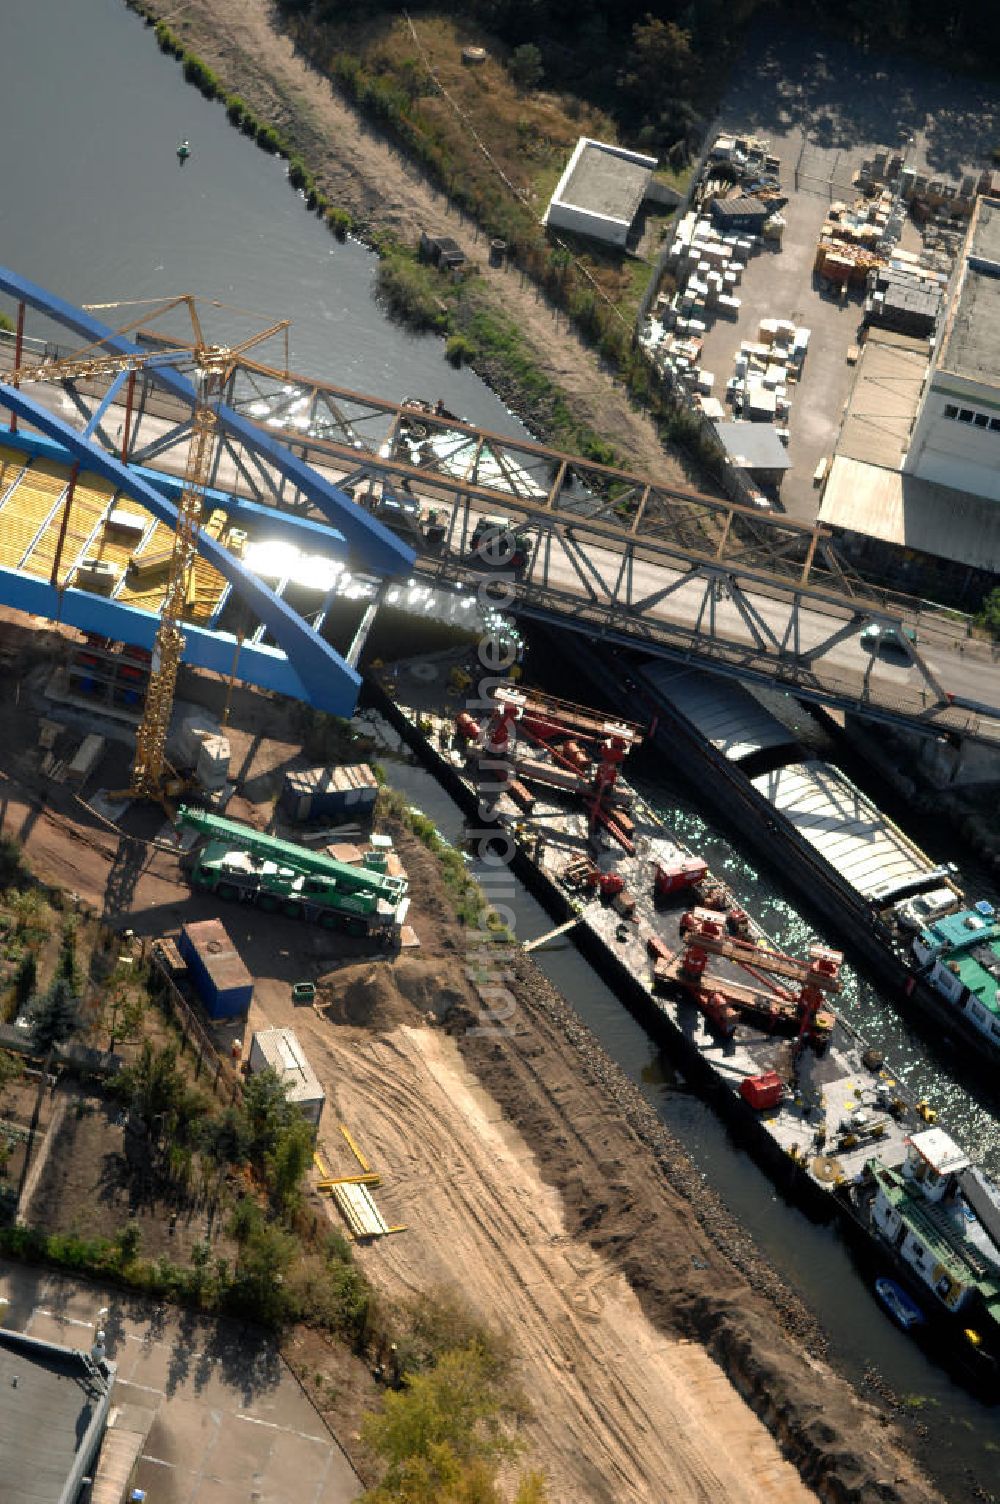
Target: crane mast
(149,765)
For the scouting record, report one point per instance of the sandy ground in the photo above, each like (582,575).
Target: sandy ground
(358,168)
(621,1410)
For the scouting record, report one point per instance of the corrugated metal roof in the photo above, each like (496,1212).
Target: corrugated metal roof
(724,712)
(913,513)
(884,399)
(848,831)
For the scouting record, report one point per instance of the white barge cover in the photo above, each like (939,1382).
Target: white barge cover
(847,830)
(723,712)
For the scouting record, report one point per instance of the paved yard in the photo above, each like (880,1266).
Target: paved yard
(825,106)
(228,1422)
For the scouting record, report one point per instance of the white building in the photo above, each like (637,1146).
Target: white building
(956,436)
(601,191)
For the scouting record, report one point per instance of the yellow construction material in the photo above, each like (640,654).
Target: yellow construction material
(12,467)
(355,1150)
(24,513)
(328,1183)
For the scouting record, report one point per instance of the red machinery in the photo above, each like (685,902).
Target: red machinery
(579,743)
(706,933)
(672,877)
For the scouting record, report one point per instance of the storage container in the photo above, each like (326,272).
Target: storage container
(279,1050)
(220,978)
(329,793)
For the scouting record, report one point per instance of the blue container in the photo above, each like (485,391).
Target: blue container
(344,793)
(221,980)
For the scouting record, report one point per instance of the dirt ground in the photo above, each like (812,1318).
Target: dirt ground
(356,167)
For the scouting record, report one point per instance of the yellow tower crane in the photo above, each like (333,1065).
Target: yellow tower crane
(212,366)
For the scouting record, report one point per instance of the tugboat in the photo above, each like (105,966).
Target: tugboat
(938,1219)
(183,151)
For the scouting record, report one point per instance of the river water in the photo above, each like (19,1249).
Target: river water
(97,208)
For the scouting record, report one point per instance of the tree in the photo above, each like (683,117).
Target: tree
(452,1412)
(54,1016)
(288,1163)
(989,614)
(27,975)
(525,66)
(266,1109)
(661,66)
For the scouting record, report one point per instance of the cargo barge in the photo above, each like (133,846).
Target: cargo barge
(758,1029)
(934,955)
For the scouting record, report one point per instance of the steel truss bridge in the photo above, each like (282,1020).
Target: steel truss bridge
(624,559)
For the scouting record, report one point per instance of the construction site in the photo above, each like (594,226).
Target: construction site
(187,603)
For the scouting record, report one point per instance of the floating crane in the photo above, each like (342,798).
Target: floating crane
(771,1006)
(152,778)
(585,750)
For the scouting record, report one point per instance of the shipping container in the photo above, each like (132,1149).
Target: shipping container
(280,1050)
(220,978)
(345,793)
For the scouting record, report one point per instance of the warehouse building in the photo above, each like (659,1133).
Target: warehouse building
(956,436)
(913,493)
(601,192)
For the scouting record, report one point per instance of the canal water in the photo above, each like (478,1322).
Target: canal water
(97,208)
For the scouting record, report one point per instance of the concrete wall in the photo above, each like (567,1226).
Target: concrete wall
(582,222)
(961,454)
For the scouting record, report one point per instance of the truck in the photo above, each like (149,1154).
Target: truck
(243,865)
(500,543)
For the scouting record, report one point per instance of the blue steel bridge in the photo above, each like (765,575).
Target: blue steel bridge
(310,466)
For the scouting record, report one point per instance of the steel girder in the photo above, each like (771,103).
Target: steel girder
(324,678)
(382,552)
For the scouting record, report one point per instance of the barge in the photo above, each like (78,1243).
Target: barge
(936,956)
(759,1029)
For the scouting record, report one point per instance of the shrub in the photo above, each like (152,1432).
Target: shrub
(340,221)
(268,139)
(235,109)
(459,350)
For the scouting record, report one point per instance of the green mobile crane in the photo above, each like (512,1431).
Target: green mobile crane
(240,863)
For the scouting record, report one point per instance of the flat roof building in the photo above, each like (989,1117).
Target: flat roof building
(956,436)
(600,192)
(913,493)
(56,1402)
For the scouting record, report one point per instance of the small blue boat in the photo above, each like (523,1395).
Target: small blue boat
(899,1305)
(183,151)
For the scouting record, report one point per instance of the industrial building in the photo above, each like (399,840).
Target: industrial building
(56,1404)
(956,436)
(600,192)
(913,490)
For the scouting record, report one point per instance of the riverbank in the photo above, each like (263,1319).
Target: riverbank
(357,169)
